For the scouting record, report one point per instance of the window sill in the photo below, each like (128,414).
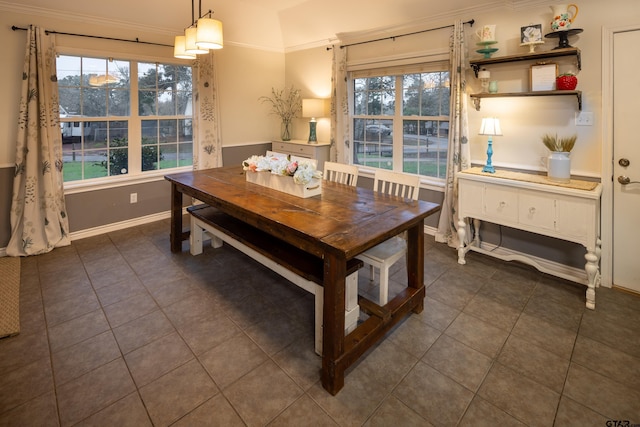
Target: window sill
(119,181)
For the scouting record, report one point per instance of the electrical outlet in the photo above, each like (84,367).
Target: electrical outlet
(133,198)
(584,118)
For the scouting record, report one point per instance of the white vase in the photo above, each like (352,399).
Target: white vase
(559,166)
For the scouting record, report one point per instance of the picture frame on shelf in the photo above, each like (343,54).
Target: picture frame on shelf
(543,76)
(531,33)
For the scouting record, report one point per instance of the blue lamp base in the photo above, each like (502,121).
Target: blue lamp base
(488,167)
(313,139)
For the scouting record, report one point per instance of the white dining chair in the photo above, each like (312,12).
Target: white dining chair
(340,172)
(385,254)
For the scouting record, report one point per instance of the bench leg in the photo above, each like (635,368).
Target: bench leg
(195,237)
(352,309)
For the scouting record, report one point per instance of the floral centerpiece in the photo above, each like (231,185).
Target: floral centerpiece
(286,105)
(297,177)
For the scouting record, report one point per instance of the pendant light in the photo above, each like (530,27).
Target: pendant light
(209,34)
(200,36)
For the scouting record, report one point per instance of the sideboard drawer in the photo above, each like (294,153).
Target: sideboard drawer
(537,210)
(300,150)
(501,203)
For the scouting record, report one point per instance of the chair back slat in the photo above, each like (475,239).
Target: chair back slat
(397,184)
(341,173)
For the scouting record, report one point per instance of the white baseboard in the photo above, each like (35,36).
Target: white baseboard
(108,228)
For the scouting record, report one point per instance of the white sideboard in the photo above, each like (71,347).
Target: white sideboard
(568,211)
(301,148)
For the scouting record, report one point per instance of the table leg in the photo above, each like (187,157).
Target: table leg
(176,219)
(333,346)
(415,260)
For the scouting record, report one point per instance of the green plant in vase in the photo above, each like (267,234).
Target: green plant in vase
(286,104)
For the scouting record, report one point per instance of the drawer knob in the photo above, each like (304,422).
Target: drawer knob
(503,204)
(532,210)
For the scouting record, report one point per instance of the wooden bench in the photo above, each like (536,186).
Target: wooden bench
(292,263)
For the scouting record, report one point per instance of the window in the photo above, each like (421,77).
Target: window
(113,124)
(401,120)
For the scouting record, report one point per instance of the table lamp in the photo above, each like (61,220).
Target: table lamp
(490,126)
(312,108)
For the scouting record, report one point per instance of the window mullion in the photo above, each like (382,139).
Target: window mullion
(135,126)
(398,142)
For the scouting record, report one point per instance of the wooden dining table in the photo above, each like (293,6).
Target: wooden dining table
(335,226)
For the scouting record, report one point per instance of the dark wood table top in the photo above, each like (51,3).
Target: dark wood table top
(344,218)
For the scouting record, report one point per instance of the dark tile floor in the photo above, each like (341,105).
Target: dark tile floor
(118,331)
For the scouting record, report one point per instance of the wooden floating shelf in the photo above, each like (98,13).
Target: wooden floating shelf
(477,96)
(567,51)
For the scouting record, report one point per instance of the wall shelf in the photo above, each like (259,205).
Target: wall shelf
(554,53)
(476,97)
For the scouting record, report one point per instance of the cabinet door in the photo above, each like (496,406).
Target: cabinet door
(576,219)
(536,210)
(501,203)
(470,198)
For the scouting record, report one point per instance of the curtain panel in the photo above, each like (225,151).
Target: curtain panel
(39,220)
(341,131)
(458,156)
(207,142)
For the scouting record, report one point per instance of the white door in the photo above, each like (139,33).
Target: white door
(626,161)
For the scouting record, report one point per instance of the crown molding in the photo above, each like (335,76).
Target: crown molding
(88,19)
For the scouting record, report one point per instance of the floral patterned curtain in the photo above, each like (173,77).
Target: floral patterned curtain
(458,157)
(207,143)
(39,220)
(341,130)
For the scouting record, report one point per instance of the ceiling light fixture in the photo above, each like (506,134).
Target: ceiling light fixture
(200,36)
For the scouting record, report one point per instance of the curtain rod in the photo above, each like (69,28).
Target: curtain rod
(471,22)
(14,28)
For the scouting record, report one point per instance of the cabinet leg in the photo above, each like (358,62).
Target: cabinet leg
(476,232)
(593,276)
(462,232)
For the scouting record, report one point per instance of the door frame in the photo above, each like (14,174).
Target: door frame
(606,232)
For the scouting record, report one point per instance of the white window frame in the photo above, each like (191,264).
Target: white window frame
(398,71)
(135,175)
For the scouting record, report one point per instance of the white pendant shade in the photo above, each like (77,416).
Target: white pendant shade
(179,49)
(209,34)
(190,42)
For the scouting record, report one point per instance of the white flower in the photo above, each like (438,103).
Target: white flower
(303,171)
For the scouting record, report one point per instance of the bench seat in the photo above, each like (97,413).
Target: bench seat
(299,267)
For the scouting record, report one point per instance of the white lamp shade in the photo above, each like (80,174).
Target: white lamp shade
(190,42)
(484,74)
(490,126)
(209,34)
(313,108)
(178,49)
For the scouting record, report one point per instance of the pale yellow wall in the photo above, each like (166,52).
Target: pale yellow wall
(310,71)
